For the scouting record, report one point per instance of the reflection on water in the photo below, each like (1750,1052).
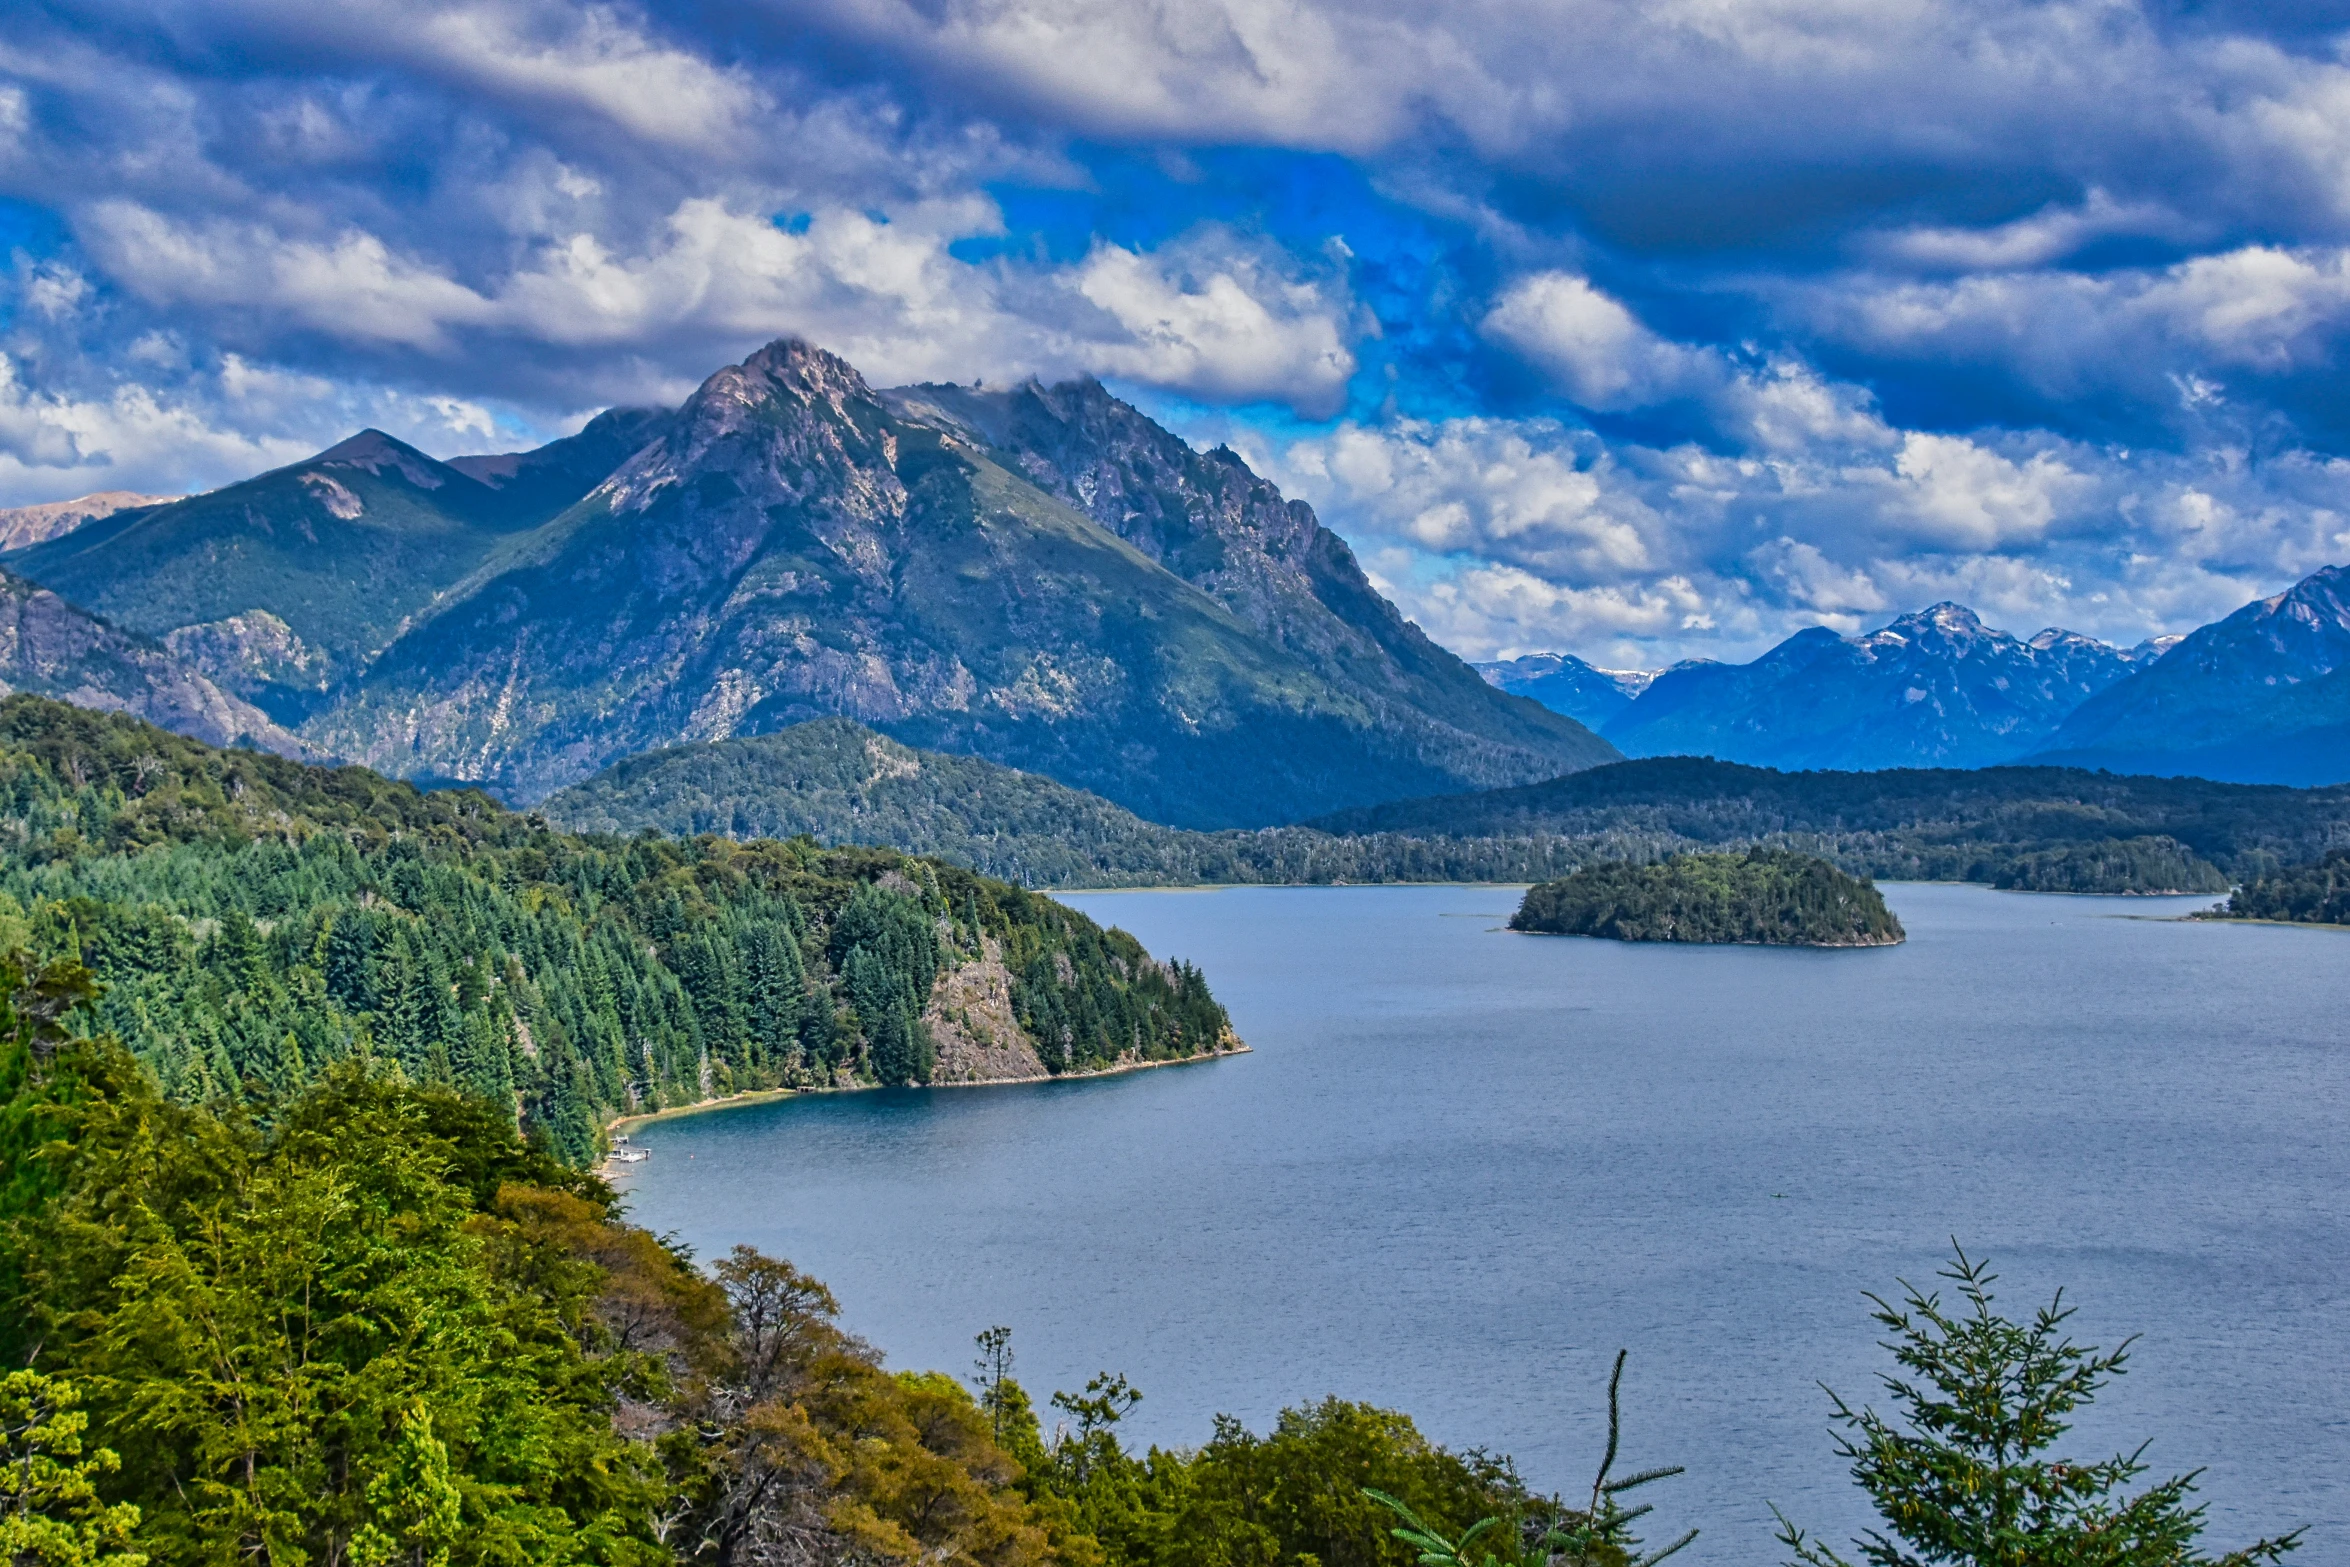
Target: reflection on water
(1463,1166)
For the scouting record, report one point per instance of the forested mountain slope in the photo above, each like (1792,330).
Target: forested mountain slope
(793,547)
(2050,829)
(840,782)
(50,648)
(255,920)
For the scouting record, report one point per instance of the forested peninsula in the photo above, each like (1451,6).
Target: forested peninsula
(2316,894)
(253,921)
(1766,896)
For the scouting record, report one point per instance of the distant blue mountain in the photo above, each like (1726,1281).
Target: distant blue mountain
(1566,684)
(1933,689)
(2260,697)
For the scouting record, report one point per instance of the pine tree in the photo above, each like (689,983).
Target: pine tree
(1967,1486)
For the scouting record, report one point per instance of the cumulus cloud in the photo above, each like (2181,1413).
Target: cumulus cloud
(1600,354)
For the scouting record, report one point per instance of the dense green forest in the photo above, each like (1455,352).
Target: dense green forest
(1770,896)
(368,1324)
(254,921)
(2316,894)
(2036,829)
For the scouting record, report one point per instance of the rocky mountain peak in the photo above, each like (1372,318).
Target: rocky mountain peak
(1945,626)
(791,367)
(791,424)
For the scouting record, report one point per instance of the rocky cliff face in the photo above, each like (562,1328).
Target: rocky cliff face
(2260,697)
(794,546)
(50,648)
(1933,689)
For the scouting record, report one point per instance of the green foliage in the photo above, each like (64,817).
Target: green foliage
(2316,894)
(382,1329)
(1765,895)
(299,1339)
(2153,862)
(838,782)
(50,1511)
(1292,1497)
(1967,1483)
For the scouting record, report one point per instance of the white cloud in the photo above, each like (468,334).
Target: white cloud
(1960,495)
(1515,535)
(1207,316)
(1600,354)
(1227,328)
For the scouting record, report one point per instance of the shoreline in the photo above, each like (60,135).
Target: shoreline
(627,1124)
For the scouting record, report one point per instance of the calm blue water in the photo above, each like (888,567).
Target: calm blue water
(1463,1166)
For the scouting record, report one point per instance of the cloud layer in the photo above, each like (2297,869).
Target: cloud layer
(1641,330)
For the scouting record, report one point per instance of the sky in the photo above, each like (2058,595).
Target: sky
(1640,329)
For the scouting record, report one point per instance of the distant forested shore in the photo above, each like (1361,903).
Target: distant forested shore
(2032,829)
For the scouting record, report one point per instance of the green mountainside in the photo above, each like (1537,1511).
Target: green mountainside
(282,587)
(1766,896)
(255,921)
(2033,829)
(2313,894)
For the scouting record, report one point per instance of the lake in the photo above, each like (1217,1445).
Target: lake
(1462,1167)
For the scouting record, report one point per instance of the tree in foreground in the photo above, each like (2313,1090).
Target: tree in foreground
(1599,1535)
(1967,1483)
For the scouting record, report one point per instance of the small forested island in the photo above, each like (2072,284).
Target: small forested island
(1773,897)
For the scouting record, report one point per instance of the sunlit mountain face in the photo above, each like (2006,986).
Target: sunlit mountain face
(1641,334)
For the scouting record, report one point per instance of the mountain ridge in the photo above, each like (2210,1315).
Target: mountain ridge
(1932,688)
(794,544)
(2259,696)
